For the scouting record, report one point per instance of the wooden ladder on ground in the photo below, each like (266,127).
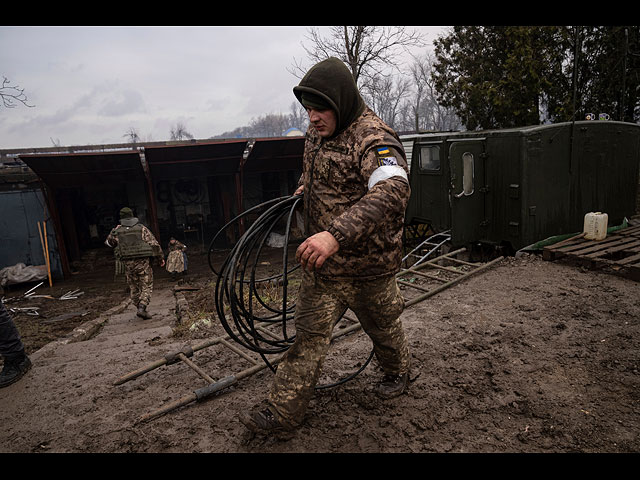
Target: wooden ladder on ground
(428,278)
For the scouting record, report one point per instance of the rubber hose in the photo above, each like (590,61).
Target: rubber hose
(236,292)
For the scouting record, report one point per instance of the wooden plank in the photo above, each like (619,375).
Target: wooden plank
(631,259)
(66,316)
(591,246)
(413,301)
(634,231)
(630,245)
(426,275)
(568,241)
(550,252)
(411,285)
(592,253)
(577,242)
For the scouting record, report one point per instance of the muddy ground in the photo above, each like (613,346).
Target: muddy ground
(528,356)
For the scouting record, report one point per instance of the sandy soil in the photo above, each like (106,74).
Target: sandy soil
(528,356)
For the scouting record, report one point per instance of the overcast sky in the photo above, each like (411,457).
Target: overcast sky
(91,85)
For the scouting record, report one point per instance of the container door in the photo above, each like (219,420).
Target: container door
(429,187)
(467,194)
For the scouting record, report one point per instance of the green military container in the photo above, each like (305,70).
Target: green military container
(515,187)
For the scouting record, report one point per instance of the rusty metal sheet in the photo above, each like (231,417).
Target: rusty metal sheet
(79,169)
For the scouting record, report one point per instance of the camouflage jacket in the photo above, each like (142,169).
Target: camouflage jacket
(348,194)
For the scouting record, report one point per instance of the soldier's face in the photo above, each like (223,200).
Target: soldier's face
(324,121)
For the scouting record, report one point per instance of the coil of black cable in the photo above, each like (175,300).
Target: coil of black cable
(237,294)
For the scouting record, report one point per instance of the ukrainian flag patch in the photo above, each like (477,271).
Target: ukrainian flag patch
(385,157)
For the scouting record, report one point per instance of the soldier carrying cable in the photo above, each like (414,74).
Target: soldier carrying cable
(356,189)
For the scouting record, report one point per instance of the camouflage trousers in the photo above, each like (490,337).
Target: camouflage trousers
(139,275)
(321,302)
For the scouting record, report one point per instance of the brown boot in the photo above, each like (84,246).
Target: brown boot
(392,386)
(262,420)
(142,312)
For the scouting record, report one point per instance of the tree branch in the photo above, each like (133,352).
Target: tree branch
(12,94)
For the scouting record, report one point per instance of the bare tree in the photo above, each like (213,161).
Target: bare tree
(420,76)
(298,116)
(374,55)
(12,94)
(133,135)
(385,96)
(369,51)
(423,108)
(179,132)
(270,125)
(404,98)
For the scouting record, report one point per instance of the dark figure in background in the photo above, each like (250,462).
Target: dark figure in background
(356,189)
(135,246)
(16,361)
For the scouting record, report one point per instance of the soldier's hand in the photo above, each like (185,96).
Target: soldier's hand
(313,252)
(162,262)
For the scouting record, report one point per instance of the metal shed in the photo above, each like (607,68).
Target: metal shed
(84,192)
(174,188)
(197,188)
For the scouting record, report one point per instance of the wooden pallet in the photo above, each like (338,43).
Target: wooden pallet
(618,253)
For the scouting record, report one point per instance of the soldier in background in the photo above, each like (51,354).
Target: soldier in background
(134,245)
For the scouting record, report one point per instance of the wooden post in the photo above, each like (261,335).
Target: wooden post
(45,249)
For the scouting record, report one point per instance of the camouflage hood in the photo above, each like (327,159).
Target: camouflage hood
(129,222)
(332,81)
(126,217)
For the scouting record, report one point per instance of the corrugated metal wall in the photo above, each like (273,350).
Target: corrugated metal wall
(20,212)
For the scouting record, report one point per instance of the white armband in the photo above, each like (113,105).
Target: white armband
(384,172)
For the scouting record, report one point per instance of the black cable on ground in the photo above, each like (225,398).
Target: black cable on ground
(236,294)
